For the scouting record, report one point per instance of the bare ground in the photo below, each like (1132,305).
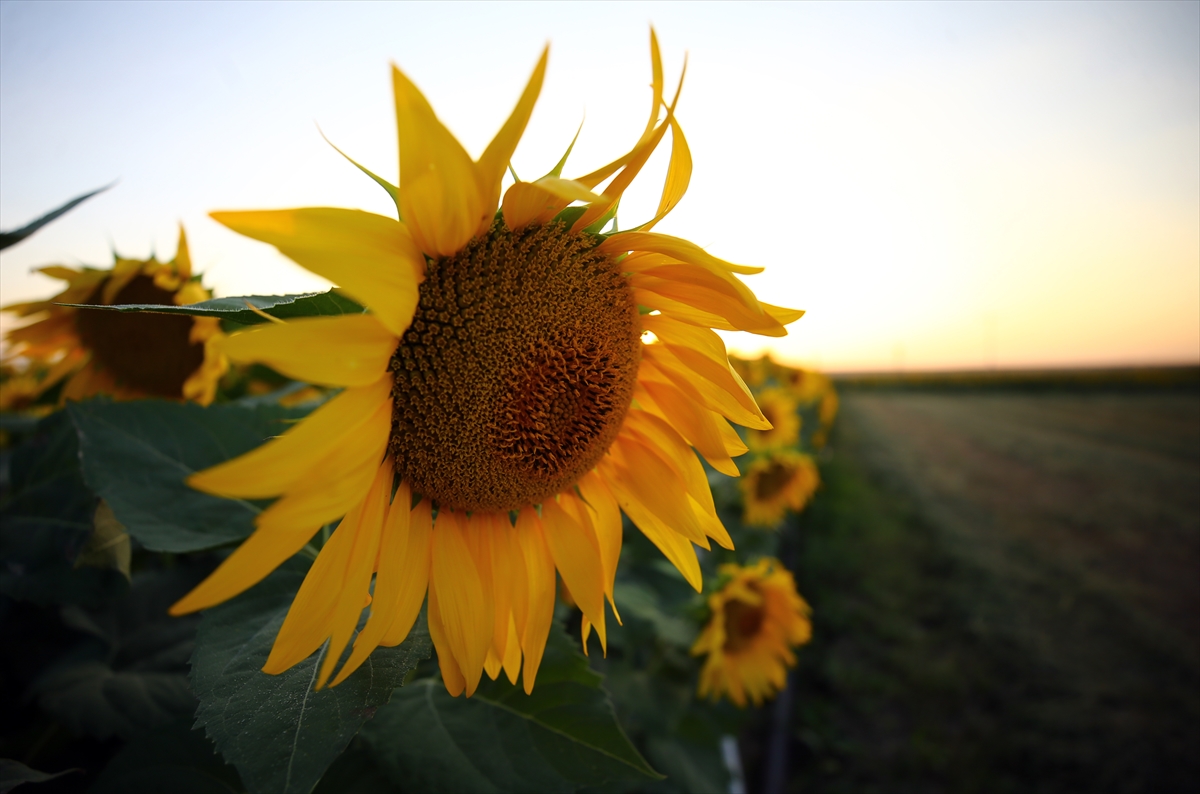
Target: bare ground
(1007,595)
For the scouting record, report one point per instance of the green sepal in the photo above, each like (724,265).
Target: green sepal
(391,189)
(562,162)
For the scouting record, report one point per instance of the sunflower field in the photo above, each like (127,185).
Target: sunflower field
(470,521)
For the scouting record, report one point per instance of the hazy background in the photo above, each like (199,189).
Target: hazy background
(940,185)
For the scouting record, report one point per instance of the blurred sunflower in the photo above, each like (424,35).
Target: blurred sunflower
(780,409)
(775,483)
(502,382)
(757,618)
(126,356)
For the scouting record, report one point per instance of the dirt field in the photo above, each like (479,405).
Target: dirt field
(1006,590)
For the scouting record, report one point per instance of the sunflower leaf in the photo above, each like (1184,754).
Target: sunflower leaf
(14,236)
(279,733)
(235,310)
(563,737)
(171,758)
(46,521)
(136,455)
(128,671)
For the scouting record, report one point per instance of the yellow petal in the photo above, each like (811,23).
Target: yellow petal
(331,489)
(371,257)
(488,542)
(337,481)
(656,83)
(495,158)
(452,676)
(350,350)
(683,338)
(675,547)
(183,258)
(736,310)
(616,188)
(582,513)
(695,423)
(336,589)
(539,568)
(605,516)
(492,665)
(782,315)
(720,387)
(641,473)
(659,436)
(440,196)
(414,576)
(530,202)
(466,615)
(576,554)
(271,468)
(680,249)
(512,656)
(679,175)
(403,574)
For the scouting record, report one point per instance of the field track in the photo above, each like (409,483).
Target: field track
(1006,588)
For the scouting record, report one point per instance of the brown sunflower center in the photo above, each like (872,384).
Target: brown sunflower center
(148,352)
(742,624)
(517,370)
(772,480)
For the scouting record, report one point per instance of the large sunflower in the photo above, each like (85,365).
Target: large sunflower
(126,356)
(757,619)
(501,386)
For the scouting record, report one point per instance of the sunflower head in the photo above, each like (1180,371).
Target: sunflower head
(775,483)
(757,618)
(126,356)
(523,375)
(780,409)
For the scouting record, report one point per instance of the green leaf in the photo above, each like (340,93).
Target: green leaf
(234,310)
(17,235)
(642,602)
(14,773)
(172,759)
(136,455)
(355,772)
(562,737)
(130,673)
(46,521)
(278,732)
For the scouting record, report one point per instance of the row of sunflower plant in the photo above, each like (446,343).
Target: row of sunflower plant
(363,538)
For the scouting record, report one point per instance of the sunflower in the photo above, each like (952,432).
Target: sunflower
(757,619)
(780,409)
(782,480)
(126,356)
(502,403)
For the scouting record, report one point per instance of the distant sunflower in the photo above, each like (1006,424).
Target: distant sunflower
(126,356)
(773,484)
(780,409)
(501,373)
(757,619)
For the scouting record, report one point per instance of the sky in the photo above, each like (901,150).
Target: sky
(940,186)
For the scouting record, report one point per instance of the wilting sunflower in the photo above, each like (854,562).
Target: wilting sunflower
(780,409)
(775,483)
(757,619)
(501,384)
(126,356)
